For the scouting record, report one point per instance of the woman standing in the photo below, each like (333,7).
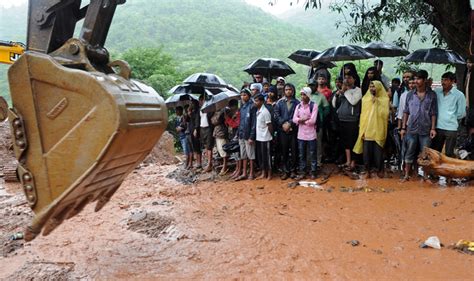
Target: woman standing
(373,127)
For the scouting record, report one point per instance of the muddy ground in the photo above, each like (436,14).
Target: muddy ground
(157,227)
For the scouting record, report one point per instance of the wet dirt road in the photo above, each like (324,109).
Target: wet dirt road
(155,227)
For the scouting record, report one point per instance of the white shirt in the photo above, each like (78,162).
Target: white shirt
(204,122)
(263,119)
(401,105)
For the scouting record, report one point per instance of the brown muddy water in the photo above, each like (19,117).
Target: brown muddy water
(158,228)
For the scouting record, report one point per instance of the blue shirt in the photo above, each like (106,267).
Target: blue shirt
(179,122)
(451,108)
(420,112)
(248,121)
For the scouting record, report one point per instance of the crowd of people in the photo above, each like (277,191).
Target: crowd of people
(360,125)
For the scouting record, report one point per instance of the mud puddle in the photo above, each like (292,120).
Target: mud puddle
(156,227)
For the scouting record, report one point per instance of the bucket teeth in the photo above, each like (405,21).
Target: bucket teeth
(104,199)
(79,207)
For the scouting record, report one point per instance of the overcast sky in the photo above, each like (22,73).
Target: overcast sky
(9,3)
(279,7)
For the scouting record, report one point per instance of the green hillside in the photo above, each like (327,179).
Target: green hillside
(214,36)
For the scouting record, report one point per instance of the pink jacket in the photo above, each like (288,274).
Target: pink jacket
(306,130)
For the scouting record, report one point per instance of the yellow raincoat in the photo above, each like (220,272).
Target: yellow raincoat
(373,118)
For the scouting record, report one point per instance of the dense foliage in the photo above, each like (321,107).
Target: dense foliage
(215,36)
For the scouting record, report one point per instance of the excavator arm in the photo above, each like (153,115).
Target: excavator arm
(80,124)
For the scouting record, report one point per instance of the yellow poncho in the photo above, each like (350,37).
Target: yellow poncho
(373,118)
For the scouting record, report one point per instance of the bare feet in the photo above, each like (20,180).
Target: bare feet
(262,176)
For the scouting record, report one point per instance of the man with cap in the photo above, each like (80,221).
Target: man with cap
(323,110)
(287,130)
(305,117)
(247,134)
(280,85)
(255,88)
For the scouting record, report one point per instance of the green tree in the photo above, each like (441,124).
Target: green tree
(154,67)
(449,20)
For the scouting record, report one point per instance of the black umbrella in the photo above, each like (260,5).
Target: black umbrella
(304,56)
(219,101)
(382,49)
(435,55)
(180,100)
(205,79)
(343,53)
(199,90)
(269,68)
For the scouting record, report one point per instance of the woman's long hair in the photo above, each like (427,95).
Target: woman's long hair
(352,71)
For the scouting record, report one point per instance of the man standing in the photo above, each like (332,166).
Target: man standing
(255,88)
(287,130)
(322,103)
(220,134)
(280,85)
(378,64)
(419,120)
(206,130)
(305,116)
(407,76)
(247,134)
(180,126)
(323,87)
(451,109)
(400,111)
(264,137)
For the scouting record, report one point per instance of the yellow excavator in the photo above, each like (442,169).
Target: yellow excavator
(9,53)
(80,125)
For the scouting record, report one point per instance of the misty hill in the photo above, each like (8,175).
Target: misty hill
(213,36)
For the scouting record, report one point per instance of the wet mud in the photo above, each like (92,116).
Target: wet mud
(156,227)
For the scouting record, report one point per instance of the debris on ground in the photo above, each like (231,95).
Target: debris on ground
(311,184)
(149,223)
(464,246)
(365,189)
(431,242)
(436,204)
(44,270)
(17,236)
(353,243)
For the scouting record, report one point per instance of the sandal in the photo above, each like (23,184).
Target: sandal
(222,173)
(349,169)
(240,178)
(405,179)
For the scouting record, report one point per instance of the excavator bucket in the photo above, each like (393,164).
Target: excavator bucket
(77,132)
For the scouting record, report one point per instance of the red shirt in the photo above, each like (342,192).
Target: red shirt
(233,122)
(326,92)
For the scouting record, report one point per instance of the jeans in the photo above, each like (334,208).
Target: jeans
(302,146)
(413,142)
(185,145)
(442,137)
(288,144)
